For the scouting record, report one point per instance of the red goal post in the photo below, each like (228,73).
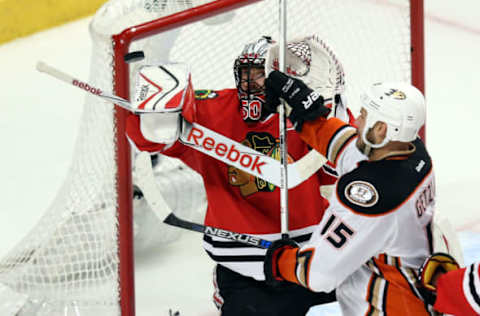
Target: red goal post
(121,44)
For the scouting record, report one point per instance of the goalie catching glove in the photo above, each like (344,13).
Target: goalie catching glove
(433,267)
(161,92)
(305,103)
(280,257)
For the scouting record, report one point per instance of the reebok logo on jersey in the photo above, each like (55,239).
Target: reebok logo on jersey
(361,193)
(227,151)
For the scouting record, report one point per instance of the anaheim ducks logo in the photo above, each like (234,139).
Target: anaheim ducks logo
(396,94)
(248,184)
(361,193)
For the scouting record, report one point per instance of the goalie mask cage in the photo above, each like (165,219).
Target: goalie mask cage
(78,260)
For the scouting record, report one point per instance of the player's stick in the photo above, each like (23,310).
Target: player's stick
(282,16)
(43,67)
(144,179)
(217,232)
(237,155)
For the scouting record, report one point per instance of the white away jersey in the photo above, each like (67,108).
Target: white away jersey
(376,232)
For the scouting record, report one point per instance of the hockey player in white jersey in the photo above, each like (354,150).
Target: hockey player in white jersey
(376,232)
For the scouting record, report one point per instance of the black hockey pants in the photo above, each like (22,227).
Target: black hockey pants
(238,295)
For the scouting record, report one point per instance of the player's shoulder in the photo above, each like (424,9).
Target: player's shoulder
(381,187)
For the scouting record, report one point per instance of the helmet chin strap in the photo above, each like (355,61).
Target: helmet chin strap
(368,145)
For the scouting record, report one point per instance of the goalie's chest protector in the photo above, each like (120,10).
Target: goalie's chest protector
(236,200)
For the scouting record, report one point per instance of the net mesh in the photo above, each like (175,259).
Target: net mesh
(68,263)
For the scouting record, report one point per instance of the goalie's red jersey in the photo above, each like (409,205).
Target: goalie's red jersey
(458,291)
(238,201)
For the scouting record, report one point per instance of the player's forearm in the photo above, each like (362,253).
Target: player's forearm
(294,265)
(328,137)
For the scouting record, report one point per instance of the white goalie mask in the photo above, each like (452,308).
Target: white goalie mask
(400,106)
(248,67)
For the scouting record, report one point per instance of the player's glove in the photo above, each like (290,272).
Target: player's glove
(306,104)
(433,267)
(271,263)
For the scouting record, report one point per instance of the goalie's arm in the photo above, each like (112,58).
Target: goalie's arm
(458,291)
(449,288)
(135,135)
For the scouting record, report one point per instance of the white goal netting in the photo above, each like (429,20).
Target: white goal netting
(68,264)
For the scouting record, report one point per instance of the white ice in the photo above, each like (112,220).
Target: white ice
(38,127)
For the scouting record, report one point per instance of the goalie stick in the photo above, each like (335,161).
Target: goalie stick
(194,135)
(43,67)
(145,181)
(173,220)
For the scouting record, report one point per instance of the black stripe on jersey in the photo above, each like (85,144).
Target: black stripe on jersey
(333,149)
(238,258)
(374,295)
(413,276)
(378,271)
(397,262)
(430,237)
(330,171)
(384,298)
(302,238)
(328,224)
(372,265)
(335,135)
(236,244)
(388,183)
(371,294)
(471,284)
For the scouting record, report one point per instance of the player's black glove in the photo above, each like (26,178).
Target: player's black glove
(270,265)
(306,104)
(434,266)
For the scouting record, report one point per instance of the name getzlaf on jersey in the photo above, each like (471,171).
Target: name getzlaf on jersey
(376,232)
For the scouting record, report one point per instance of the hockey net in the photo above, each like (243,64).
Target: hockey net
(78,259)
